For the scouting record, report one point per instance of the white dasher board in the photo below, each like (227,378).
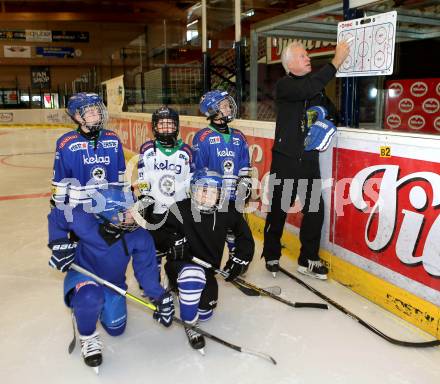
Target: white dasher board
(372,41)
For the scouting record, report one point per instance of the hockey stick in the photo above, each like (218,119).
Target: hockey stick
(175,319)
(73,342)
(275,290)
(421,344)
(261,291)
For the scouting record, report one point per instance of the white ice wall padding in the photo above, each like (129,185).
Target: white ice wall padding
(34,116)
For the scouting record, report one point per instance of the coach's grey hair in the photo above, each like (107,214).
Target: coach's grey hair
(287,53)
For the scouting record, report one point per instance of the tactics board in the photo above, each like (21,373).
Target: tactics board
(372,41)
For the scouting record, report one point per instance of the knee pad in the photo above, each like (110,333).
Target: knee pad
(191,281)
(87,303)
(88,295)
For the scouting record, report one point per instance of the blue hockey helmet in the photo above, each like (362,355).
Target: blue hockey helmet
(115,207)
(90,108)
(207,192)
(218,105)
(165,125)
(320,130)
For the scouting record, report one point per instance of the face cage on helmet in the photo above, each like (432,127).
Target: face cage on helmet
(202,206)
(218,114)
(118,221)
(166,138)
(102,112)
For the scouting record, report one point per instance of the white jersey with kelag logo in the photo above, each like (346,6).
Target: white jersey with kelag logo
(165,173)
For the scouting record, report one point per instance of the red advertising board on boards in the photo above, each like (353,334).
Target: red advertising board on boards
(413,105)
(387,210)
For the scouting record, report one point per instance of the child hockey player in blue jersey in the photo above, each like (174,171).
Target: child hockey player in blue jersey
(88,157)
(196,227)
(224,150)
(107,241)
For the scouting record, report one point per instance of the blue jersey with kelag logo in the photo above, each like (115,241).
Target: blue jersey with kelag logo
(82,165)
(227,154)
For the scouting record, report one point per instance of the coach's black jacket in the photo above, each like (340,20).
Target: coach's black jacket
(293,95)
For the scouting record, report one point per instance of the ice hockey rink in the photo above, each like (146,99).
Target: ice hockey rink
(309,345)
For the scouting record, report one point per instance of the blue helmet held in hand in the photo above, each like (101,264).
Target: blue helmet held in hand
(320,130)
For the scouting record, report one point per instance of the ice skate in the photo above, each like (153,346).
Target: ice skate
(196,340)
(273,266)
(91,350)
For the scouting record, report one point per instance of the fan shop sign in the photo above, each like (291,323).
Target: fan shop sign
(40,77)
(387,210)
(313,47)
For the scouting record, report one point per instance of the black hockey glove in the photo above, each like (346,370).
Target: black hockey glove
(235,267)
(146,206)
(164,309)
(63,254)
(179,248)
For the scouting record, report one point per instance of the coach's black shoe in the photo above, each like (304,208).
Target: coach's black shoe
(313,268)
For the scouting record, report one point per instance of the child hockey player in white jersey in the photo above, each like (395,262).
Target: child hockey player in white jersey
(165,163)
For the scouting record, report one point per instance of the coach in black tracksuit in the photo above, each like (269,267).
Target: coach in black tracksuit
(294,93)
